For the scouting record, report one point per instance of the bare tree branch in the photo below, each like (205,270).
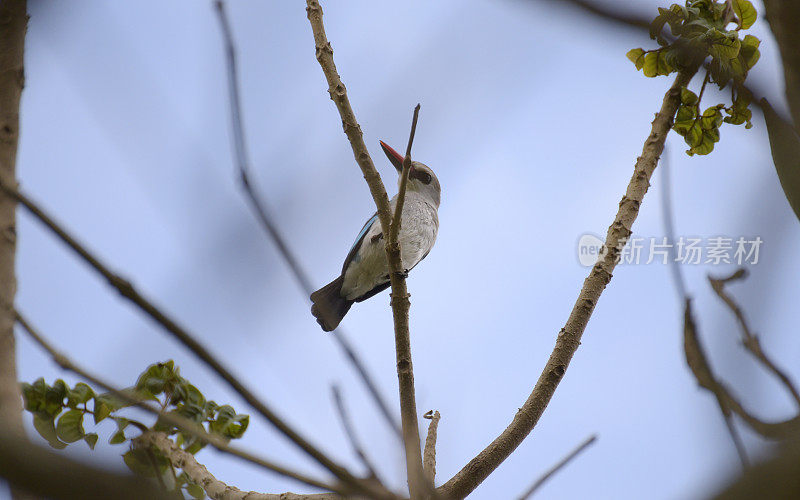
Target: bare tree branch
(696,359)
(621,17)
(680,287)
(557,467)
(53,475)
(749,339)
(429,453)
(213,487)
(349,430)
(180,422)
(263,215)
(400,303)
(13,24)
(127,290)
(479,468)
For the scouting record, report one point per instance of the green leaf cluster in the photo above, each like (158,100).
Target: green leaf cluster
(704,31)
(163,382)
(59,411)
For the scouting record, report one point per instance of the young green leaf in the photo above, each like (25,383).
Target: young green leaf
(47,429)
(637,57)
(90,439)
(70,426)
(117,438)
(746,13)
(650,67)
(196,491)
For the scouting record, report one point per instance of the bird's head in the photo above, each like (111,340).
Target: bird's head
(421,179)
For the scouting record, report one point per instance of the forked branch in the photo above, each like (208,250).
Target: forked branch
(400,302)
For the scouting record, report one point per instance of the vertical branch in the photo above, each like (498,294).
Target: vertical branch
(402,338)
(13,23)
(429,454)
(400,302)
(267,221)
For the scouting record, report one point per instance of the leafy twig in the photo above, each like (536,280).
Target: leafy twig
(267,221)
(215,488)
(173,419)
(469,477)
(127,290)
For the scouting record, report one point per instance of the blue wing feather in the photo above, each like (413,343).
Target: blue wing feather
(359,239)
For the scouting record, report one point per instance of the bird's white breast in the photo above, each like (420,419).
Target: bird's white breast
(418,229)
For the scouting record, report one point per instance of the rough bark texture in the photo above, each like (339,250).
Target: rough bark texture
(13,23)
(213,487)
(569,338)
(783,16)
(400,296)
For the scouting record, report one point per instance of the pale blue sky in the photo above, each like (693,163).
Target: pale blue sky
(532,118)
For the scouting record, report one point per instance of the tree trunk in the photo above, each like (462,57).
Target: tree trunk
(13,24)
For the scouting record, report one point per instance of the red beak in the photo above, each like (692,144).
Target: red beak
(394,157)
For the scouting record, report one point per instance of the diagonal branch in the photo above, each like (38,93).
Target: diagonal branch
(701,369)
(568,340)
(749,339)
(53,475)
(263,215)
(127,290)
(557,467)
(400,303)
(351,433)
(214,488)
(173,419)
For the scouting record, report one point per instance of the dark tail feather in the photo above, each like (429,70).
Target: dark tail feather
(329,307)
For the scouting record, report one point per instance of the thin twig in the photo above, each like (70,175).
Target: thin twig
(680,285)
(429,454)
(400,302)
(394,231)
(701,369)
(127,290)
(564,461)
(349,430)
(215,488)
(749,339)
(180,422)
(669,226)
(402,338)
(263,215)
(569,338)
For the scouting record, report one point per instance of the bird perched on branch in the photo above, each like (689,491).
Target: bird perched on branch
(366,271)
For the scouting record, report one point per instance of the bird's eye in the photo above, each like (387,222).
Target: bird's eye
(423,177)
